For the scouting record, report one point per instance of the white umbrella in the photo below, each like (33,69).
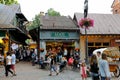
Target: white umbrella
(101,50)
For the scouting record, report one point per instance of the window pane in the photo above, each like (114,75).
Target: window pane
(90,44)
(97,44)
(105,44)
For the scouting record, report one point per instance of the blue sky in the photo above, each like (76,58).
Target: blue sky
(66,7)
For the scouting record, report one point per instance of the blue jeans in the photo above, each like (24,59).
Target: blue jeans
(53,68)
(103,78)
(95,76)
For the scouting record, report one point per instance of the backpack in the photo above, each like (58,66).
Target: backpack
(70,61)
(33,55)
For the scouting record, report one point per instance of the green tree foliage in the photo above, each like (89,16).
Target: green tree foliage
(35,23)
(8,2)
(52,12)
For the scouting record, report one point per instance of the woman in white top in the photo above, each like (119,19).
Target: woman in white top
(8,64)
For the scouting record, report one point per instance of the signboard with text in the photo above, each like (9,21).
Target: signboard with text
(60,34)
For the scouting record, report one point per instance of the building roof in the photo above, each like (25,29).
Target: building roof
(7,17)
(115,2)
(7,14)
(103,23)
(57,22)
(7,26)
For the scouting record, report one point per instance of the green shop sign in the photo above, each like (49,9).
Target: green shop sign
(60,34)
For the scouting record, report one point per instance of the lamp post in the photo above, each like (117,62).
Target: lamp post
(86,39)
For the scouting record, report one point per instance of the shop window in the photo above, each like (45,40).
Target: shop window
(90,44)
(106,44)
(98,44)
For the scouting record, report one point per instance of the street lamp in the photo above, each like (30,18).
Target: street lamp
(86,23)
(86,39)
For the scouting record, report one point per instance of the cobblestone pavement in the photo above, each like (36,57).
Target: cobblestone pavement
(25,71)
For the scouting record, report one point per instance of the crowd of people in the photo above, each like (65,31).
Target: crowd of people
(10,58)
(99,67)
(57,60)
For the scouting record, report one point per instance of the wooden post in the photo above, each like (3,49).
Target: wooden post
(38,43)
(86,40)
(9,43)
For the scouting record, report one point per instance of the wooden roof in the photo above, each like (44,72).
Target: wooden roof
(103,23)
(6,26)
(57,22)
(7,14)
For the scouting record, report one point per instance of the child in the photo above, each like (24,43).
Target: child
(83,70)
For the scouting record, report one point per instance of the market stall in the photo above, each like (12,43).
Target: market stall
(113,55)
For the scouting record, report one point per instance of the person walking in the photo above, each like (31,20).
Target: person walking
(53,66)
(94,68)
(65,53)
(83,70)
(8,64)
(104,68)
(5,55)
(13,63)
(33,58)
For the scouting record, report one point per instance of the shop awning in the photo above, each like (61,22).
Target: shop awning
(18,37)
(34,34)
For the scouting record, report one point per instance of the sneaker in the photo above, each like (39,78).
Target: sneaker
(14,75)
(57,73)
(50,74)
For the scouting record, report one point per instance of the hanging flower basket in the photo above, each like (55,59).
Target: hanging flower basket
(86,22)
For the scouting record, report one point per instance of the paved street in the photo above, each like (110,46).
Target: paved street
(27,72)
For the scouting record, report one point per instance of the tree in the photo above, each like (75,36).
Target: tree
(35,23)
(52,12)
(8,2)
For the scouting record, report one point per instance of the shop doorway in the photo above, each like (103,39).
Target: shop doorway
(62,45)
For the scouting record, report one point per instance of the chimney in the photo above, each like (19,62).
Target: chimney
(46,16)
(41,13)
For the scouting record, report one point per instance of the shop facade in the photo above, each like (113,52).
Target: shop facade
(104,33)
(12,28)
(58,31)
(68,39)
